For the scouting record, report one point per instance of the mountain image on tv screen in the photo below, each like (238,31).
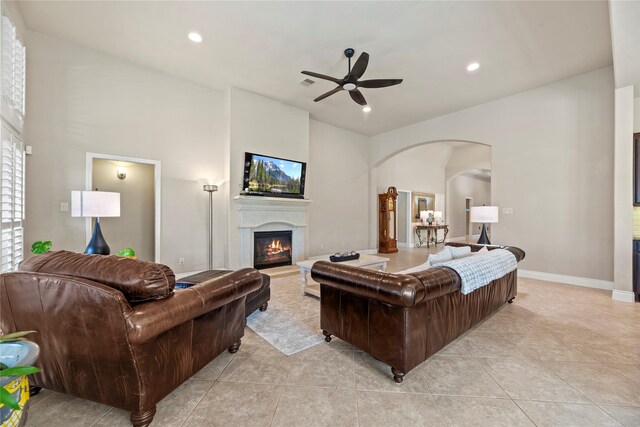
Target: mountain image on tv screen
(274,175)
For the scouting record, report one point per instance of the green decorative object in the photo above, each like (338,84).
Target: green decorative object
(16,354)
(128,252)
(41,247)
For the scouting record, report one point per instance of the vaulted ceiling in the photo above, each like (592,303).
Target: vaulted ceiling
(263,46)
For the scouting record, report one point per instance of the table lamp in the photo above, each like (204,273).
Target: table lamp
(424,216)
(95,204)
(484,215)
(437,215)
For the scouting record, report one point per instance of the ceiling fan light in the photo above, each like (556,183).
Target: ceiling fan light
(366,109)
(349,86)
(195,37)
(473,66)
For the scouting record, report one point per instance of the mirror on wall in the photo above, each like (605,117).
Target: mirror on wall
(422,202)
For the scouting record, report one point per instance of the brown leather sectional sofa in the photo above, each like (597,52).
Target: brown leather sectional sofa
(404,319)
(113,330)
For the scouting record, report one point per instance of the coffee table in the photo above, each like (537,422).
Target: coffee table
(365,261)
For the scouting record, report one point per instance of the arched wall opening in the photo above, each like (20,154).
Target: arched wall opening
(443,169)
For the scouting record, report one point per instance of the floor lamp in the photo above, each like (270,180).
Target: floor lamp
(210,189)
(95,204)
(484,215)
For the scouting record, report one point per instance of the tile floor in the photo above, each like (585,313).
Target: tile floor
(560,355)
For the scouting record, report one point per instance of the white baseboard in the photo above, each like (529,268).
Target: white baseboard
(626,296)
(403,245)
(569,280)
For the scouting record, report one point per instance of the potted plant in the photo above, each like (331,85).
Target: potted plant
(16,356)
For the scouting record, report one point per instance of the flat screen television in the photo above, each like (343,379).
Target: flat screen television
(273,176)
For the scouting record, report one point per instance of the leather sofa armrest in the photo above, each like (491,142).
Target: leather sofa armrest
(395,289)
(150,319)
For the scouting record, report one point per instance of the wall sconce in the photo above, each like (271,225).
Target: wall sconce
(121,172)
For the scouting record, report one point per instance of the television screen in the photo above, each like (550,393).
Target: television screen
(264,174)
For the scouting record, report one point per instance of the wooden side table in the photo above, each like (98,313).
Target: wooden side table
(432,234)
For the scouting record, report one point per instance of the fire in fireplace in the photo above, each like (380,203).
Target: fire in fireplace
(271,249)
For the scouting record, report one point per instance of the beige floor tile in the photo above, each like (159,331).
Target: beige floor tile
(548,347)
(38,398)
(552,414)
(173,410)
(460,376)
(482,412)
(628,416)
(61,410)
(455,348)
(213,369)
(601,383)
(387,409)
(265,366)
(316,406)
(373,375)
(319,366)
(527,379)
(236,404)
(485,344)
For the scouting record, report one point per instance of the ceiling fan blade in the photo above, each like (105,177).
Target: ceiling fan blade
(357,96)
(360,66)
(379,83)
(327,94)
(322,76)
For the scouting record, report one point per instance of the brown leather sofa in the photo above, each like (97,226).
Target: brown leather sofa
(113,330)
(404,319)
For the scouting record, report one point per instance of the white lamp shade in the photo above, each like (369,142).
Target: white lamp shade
(437,214)
(424,215)
(95,204)
(484,214)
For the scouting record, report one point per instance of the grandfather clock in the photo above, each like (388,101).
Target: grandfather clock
(387,221)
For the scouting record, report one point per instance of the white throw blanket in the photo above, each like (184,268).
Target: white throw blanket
(479,270)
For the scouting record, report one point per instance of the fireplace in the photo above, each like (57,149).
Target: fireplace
(271,249)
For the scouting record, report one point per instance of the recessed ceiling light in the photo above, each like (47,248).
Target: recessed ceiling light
(366,108)
(195,37)
(473,66)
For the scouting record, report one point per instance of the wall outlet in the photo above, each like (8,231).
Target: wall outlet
(507,211)
(64,207)
(181,261)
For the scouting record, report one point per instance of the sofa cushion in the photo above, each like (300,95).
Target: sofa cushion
(443,256)
(459,251)
(137,280)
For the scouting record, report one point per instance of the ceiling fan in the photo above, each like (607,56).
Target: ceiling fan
(350,82)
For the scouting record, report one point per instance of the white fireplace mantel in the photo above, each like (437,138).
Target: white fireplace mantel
(272,214)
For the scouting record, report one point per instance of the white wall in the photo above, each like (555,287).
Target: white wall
(338,182)
(420,169)
(135,227)
(623,191)
(263,126)
(636,115)
(458,189)
(552,162)
(78,101)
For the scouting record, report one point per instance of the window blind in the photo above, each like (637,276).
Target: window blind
(12,199)
(13,73)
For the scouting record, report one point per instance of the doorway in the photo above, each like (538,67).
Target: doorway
(468,202)
(138,182)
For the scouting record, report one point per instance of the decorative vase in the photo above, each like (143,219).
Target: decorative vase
(16,353)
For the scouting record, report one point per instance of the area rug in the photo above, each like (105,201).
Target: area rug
(285,333)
